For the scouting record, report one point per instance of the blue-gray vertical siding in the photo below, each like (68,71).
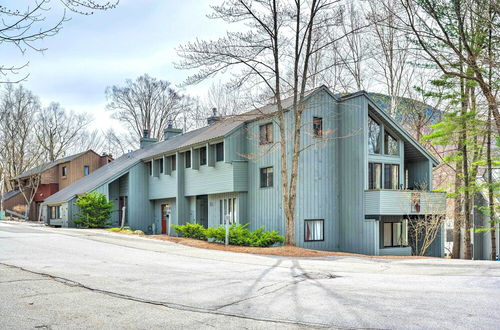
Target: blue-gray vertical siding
(352,157)
(139,205)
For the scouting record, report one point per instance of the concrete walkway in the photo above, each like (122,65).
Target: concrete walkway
(350,292)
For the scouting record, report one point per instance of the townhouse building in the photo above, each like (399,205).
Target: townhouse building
(362,178)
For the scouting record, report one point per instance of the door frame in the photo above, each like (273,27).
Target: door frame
(165,221)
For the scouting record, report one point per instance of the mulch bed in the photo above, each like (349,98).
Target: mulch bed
(284,251)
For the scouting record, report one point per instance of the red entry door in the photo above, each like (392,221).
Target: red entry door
(165,217)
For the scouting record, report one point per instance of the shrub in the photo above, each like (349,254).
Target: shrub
(95,210)
(240,235)
(191,230)
(266,238)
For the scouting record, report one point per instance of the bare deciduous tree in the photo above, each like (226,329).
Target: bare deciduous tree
(273,54)
(59,131)
(18,153)
(146,104)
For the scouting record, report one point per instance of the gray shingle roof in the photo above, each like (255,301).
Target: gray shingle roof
(119,166)
(122,164)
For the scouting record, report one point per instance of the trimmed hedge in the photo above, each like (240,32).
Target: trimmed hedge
(238,234)
(191,230)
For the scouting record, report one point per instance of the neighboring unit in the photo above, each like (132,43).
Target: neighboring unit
(48,179)
(361,178)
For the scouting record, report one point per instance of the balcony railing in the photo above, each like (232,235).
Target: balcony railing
(404,202)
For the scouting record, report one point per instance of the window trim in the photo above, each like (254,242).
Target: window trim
(221,144)
(319,133)
(267,179)
(380,137)
(203,160)
(391,165)
(322,230)
(381,182)
(187,159)
(64,171)
(57,209)
(392,234)
(269,139)
(386,151)
(173,162)
(150,167)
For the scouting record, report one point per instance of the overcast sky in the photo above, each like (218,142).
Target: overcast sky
(93,52)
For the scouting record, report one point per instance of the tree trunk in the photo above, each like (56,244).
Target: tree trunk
(465,168)
(491,201)
(457,214)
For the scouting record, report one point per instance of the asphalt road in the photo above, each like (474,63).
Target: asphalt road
(68,278)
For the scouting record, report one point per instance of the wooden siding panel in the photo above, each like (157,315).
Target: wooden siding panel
(317,190)
(352,156)
(399,202)
(75,168)
(209,180)
(139,206)
(240,175)
(164,186)
(235,145)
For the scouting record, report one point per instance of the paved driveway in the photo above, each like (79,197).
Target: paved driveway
(344,292)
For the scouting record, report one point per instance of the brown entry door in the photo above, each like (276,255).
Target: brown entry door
(165,218)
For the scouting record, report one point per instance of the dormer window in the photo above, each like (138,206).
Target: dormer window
(390,144)
(374,138)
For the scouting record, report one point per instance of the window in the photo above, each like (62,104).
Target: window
(227,209)
(150,168)
(373,136)
(203,156)
(313,230)
(390,145)
(266,133)
(54,212)
(219,152)
(266,177)
(374,176)
(173,163)
(64,171)
(318,127)
(160,164)
(391,176)
(187,154)
(86,170)
(396,234)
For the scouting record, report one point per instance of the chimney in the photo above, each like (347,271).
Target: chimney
(214,118)
(146,140)
(170,131)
